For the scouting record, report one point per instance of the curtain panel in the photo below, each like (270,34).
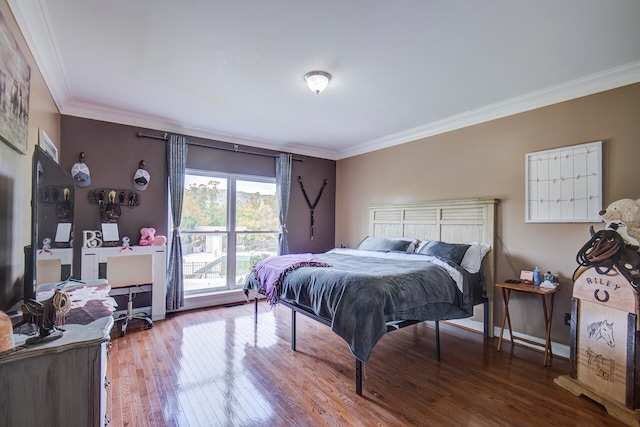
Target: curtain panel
(283,192)
(176,164)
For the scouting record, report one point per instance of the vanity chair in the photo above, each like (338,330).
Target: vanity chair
(130,275)
(48,271)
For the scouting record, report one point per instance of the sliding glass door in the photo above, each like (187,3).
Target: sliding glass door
(229,222)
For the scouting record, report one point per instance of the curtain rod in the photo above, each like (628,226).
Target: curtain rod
(165,137)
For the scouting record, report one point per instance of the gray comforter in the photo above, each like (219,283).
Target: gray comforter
(359,294)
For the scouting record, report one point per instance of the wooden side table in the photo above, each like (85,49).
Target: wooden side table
(548,314)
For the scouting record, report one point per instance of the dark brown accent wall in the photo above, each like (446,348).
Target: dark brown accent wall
(113,152)
(313,172)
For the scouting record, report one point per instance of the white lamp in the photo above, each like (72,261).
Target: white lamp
(317,80)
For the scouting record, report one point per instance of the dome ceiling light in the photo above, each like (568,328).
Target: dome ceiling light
(317,80)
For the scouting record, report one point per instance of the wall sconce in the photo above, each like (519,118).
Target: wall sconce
(317,80)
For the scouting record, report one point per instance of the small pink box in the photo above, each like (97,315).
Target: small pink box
(526,276)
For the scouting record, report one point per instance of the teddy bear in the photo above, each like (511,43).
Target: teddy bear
(46,243)
(147,236)
(623,216)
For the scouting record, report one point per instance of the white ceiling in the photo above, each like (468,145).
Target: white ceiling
(232,70)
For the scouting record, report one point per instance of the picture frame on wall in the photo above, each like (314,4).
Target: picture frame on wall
(15,83)
(47,145)
(564,184)
(110,234)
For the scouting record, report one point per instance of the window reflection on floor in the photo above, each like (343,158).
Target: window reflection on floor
(212,371)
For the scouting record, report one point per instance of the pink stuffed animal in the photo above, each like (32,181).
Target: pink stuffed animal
(147,236)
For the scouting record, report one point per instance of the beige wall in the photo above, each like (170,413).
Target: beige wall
(487,160)
(15,176)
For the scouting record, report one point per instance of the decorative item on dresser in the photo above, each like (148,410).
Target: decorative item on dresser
(438,282)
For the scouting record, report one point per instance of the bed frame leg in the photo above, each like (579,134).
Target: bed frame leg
(255,310)
(437,340)
(358,377)
(486,318)
(293,330)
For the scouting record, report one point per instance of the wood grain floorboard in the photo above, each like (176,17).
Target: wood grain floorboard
(216,367)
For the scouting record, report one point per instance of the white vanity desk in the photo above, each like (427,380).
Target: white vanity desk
(93,257)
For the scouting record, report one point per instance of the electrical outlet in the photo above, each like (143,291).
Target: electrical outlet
(567,319)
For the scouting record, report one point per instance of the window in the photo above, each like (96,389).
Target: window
(229,222)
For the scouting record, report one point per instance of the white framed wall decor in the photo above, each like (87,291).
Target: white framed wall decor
(47,145)
(564,184)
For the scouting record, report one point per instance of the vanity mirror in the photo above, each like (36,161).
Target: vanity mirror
(52,199)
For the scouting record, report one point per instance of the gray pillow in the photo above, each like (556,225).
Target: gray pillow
(453,252)
(381,244)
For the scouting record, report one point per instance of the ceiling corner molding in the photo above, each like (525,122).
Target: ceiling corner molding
(38,35)
(599,82)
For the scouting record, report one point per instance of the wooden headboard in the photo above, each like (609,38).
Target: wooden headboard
(452,221)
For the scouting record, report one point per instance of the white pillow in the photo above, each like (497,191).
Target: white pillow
(422,245)
(472,260)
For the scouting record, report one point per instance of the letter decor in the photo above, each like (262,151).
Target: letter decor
(91,238)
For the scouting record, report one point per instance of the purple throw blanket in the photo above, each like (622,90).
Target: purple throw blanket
(272,271)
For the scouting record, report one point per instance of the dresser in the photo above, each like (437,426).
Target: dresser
(59,383)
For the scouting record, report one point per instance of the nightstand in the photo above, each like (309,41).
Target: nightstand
(548,314)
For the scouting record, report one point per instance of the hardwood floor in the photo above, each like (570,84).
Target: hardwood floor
(215,367)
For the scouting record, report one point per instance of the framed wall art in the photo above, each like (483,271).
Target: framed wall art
(15,82)
(47,145)
(564,184)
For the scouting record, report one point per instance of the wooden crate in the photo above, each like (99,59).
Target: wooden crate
(604,344)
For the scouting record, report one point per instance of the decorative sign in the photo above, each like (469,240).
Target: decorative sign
(611,290)
(564,184)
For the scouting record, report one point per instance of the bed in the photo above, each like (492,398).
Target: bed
(383,284)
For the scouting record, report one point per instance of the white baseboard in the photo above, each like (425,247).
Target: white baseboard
(560,350)
(212,299)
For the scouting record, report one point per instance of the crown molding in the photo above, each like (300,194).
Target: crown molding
(42,43)
(599,82)
(588,85)
(135,119)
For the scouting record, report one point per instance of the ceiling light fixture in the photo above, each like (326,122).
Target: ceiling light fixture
(317,80)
